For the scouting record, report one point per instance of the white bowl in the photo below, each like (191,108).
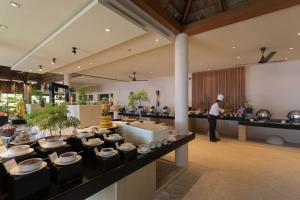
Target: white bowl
(67,157)
(94,141)
(107,151)
(126,146)
(83,134)
(30,164)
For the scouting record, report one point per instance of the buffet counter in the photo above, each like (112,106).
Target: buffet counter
(94,180)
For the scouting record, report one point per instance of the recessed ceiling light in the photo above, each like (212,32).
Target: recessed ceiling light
(3,27)
(298,34)
(208,69)
(234,47)
(238,57)
(14,4)
(91,63)
(151,72)
(30,70)
(291,48)
(156,39)
(107,30)
(78,67)
(286,58)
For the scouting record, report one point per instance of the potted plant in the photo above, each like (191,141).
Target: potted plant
(137,98)
(82,97)
(52,117)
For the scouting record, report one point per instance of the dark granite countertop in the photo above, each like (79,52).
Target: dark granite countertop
(271,124)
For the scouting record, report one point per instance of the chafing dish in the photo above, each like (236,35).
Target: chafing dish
(263,115)
(294,117)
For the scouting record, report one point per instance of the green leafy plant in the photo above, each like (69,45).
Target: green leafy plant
(52,117)
(136,99)
(82,97)
(39,96)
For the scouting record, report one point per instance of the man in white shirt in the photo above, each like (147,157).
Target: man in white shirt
(213,114)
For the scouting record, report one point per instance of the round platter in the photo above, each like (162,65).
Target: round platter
(45,146)
(57,161)
(94,145)
(16,172)
(5,154)
(22,142)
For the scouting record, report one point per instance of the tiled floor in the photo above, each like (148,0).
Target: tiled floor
(230,170)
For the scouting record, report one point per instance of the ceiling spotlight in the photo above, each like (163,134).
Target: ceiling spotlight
(291,48)
(156,39)
(3,27)
(30,70)
(238,57)
(150,72)
(107,30)
(14,4)
(234,47)
(53,61)
(286,58)
(208,69)
(91,63)
(298,34)
(74,50)
(40,68)
(78,67)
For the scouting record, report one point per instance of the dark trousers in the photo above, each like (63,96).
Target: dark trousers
(212,120)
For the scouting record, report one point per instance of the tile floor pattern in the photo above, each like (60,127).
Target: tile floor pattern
(231,170)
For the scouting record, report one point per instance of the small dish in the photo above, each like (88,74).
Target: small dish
(113,137)
(126,147)
(58,161)
(67,157)
(107,152)
(144,148)
(94,142)
(84,134)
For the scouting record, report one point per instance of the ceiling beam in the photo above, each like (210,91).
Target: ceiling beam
(186,11)
(159,14)
(243,12)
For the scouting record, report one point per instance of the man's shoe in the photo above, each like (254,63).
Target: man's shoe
(218,139)
(213,140)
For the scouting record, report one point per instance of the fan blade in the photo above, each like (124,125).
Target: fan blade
(100,77)
(262,60)
(268,57)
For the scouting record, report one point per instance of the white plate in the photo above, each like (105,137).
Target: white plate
(57,161)
(94,145)
(6,155)
(89,135)
(22,142)
(143,152)
(16,172)
(46,146)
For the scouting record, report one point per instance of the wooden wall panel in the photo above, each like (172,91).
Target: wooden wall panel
(229,82)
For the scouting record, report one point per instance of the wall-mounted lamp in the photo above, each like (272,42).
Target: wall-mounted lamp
(53,61)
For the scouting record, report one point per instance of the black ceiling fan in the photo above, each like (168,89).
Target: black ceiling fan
(265,59)
(133,78)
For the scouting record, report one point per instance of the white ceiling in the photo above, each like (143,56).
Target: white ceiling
(86,31)
(30,24)
(213,49)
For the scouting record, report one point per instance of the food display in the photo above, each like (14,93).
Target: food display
(294,117)
(52,143)
(105,118)
(263,115)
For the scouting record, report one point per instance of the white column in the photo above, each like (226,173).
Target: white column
(181,95)
(67,79)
